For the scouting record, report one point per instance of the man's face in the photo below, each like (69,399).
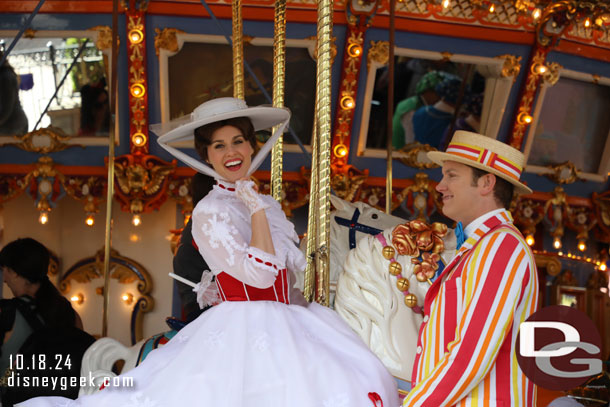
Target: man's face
(458,193)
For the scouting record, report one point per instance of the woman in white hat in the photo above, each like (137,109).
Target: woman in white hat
(257,348)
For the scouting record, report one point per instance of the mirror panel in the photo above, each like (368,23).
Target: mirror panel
(435,94)
(574,129)
(57,81)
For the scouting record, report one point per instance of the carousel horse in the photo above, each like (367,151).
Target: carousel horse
(381,291)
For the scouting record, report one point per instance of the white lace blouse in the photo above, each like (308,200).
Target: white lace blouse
(222,232)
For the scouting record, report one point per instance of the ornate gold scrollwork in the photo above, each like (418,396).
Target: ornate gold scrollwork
(135,178)
(511,66)
(564,173)
(551,75)
(346,180)
(44,141)
(104,37)
(551,264)
(415,155)
(421,190)
(379,52)
(167,39)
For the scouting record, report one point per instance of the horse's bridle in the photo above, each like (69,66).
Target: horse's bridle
(354,227)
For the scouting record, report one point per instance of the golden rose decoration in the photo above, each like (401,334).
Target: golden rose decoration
(426,267)
(417,236)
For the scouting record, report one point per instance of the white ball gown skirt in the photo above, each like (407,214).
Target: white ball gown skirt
(254,354)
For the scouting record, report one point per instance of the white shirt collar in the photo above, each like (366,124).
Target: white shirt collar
(475,224)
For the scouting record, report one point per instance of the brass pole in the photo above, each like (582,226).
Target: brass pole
(238,51)
(279,63)
(312,217)
(324,38)
(110,182)
(388,178)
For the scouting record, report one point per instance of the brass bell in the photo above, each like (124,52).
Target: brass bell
(402,284)
(388,252)
(410,300)
(395,268)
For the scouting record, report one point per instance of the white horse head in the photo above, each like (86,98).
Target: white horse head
(367,221)
(369,301)
(358,220)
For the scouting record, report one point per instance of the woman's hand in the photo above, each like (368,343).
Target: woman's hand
(247,192)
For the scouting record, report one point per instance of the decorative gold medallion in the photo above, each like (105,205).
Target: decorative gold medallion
(410,300)
(395,268)
(402,284)
(388,252)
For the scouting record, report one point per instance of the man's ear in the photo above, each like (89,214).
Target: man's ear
(486,184)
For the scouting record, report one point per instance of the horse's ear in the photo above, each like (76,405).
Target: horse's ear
(339,203)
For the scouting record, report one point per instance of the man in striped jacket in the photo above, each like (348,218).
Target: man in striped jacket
(466,353)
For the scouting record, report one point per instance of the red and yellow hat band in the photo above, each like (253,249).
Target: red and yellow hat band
(485,157)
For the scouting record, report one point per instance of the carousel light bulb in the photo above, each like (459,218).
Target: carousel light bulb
(582,245)
(530,240)
(524,118)
(90,220)
(536,14)
(136,220)
(77,298)
(127,298)
(492,8)
(136,36)
(587,22)
(541,69)
(599,21)
(340,150)
(43,218)
(603,267)
(354,50)
(446,3)
(347,102)
(137,90)
(557,243)
(138,139)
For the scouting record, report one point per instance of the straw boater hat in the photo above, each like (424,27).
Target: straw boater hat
(183,129)
(486,154)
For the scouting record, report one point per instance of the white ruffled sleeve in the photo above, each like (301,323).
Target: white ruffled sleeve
(225,248)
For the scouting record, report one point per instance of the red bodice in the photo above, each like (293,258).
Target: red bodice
(231,289)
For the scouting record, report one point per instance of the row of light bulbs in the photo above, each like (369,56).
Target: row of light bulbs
(582,246)
(79,298)
(43,219)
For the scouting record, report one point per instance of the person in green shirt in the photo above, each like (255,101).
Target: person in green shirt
(424,96)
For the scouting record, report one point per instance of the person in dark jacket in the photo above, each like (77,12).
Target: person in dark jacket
(188,263)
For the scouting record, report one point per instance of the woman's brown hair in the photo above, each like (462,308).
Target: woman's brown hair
(203,134)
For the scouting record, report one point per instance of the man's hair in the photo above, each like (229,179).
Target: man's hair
(503,190)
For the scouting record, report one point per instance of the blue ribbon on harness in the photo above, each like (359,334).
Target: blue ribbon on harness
(354,227)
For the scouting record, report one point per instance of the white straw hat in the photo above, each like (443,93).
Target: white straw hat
(183,129)
(484,153)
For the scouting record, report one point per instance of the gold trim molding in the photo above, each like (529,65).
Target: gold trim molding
(378,52)
(511,66)
(167,39)
(44,141)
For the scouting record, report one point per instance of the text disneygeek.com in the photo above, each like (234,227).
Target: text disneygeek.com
(63,383)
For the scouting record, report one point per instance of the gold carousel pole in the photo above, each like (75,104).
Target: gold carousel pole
(312,217)
(238,51)
(110,188)
(323,115)
(390,104)
(279,62)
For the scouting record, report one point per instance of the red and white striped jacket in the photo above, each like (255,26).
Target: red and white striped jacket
(466,347)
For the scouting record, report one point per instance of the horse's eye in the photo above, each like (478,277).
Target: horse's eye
(374,216)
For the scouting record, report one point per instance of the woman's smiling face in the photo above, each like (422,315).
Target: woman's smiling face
(230,153)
